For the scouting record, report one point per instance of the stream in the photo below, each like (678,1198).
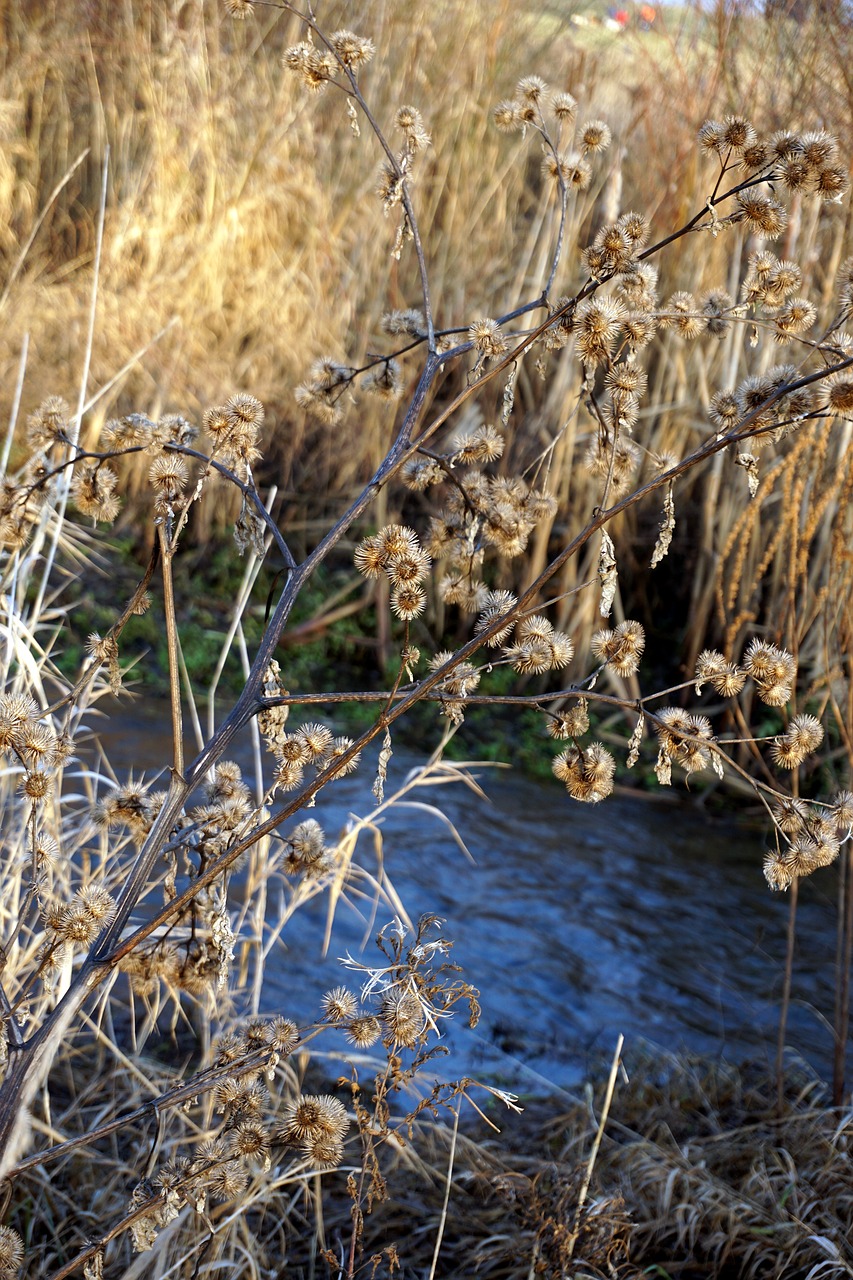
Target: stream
(639,916)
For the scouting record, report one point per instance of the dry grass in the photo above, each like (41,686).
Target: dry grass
(242,238)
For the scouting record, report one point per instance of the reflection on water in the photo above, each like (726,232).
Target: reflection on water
(576,922)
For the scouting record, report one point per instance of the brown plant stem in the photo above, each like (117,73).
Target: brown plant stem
(786,993)
(167,551)
(842,977)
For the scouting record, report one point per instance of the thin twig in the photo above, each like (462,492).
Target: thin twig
(442,1222)
(593,1155)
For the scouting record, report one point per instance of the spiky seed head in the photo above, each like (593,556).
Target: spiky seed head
(711,136)
(762,213)
(597,323)
(317,739)
(408,600)
(364,1031)
(716,305)
(737,133)
(487,338)
(682,313)
(818,149)
(564,106)
(531,89)
(228,1180)
(636,227)
(595,136)
(402,1015)
(777,871)
(339,1005)
(282,1035)
(370,557)
(754,156)
(243,410)
(576,171)
(11,1253)
(785,144)
(353,50)
(385,380)
(507,117)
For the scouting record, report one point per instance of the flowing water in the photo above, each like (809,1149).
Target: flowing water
(575,922)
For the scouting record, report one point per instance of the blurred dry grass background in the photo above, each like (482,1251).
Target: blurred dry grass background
(242,215)
(241,218)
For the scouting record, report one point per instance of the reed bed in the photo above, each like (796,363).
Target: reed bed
(195,254)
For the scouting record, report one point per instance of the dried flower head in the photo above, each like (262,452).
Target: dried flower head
(410,322)
(339,748)
(588,774)
(799,315)
(410,121)
(762,213)
(531,89)
(49,424)
(576,171)
(402,1015)
(725,678)
(244,411)
(840,394)
(339,1005)
(784,144)
(93,491)
(572,723)
(711,136)
(315,69)
(773,671)
(487,338)
(564,106)
(228,1180)
(803,736)
(312,1116)
(282,1035)
(408,600)
(777,870)
(496,605)
(385,380)
(595,136)
(353,50)
(790,815)
(716,306)
(168,475)
(249,1140)
(755,155)
(597,323)
(364,1031)
(724,411)
(507,117)
(682,314)
(737,133)
(11,1253)
(818,149)
(622,648)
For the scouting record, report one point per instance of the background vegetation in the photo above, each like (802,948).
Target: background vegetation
(241,240)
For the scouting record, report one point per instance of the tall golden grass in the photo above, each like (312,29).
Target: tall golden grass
(231,228)
(236,208)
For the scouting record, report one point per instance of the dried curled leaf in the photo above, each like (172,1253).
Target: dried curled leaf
(635,742)
(385,754)
(749,462)
(607,573)
(666,527)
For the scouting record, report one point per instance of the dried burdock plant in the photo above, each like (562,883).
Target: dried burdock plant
(485,552)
